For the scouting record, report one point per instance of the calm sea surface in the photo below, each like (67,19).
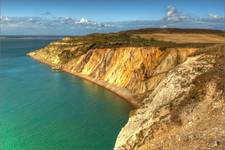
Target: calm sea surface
(41,109)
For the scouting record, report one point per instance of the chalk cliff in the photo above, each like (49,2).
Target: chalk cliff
(177,88)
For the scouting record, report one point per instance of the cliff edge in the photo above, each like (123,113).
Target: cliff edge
(185,110)
(176,86)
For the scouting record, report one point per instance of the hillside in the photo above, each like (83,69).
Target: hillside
(177,87)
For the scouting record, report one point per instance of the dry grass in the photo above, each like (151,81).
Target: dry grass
(184,37)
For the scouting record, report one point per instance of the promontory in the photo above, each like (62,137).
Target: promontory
(173,77)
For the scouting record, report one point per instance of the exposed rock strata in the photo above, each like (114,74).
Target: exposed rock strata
(185,110)
(178,91)
(129,71)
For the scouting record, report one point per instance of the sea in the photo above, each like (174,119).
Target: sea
(43,109)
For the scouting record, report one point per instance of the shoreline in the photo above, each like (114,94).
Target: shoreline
(115,90)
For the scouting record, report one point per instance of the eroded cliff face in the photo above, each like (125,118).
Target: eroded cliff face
(178,91)
(184,111)
(129,71)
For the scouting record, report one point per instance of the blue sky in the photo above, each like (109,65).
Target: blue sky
(54,17)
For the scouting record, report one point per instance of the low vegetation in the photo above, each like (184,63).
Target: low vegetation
(124,39)
(74,46)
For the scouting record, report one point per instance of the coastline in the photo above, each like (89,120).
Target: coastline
(165,109)
(118,91)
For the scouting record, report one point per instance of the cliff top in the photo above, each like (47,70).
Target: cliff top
(175,30)
(165,38)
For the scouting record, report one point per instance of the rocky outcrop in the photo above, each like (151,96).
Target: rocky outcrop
(184,111)
(178,91)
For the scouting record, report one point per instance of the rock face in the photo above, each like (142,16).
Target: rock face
(185,110)
(178,91)
(129,71)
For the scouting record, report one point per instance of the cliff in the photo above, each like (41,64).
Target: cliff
(184,111)
(177,87)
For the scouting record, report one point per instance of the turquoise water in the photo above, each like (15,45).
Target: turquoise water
(41,109)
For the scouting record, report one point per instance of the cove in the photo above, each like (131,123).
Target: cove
(44,109)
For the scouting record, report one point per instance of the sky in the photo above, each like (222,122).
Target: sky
(77,17)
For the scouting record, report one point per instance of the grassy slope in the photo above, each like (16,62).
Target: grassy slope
(126,38)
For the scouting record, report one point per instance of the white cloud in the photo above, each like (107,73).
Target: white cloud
(172,14)
(4,18)
(171,11)
(164,26)
(175,16)
(67,25)
(214,16)
(84,20)
(56,24)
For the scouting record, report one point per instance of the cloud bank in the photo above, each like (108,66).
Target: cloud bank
(44,25)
